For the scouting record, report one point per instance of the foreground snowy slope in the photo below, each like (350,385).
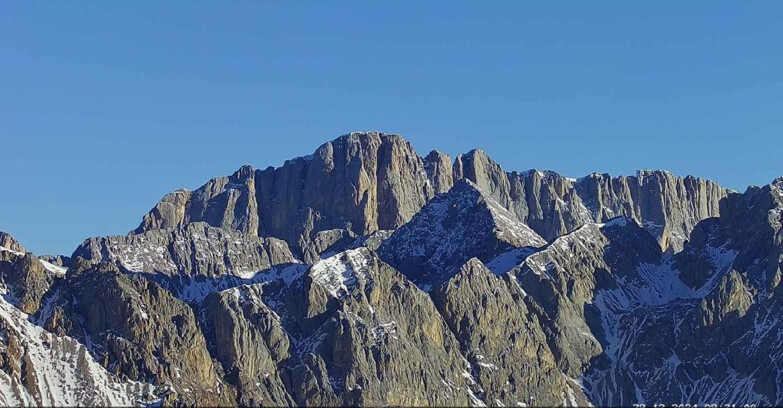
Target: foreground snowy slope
(40,368)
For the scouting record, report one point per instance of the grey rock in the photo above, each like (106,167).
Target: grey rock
(7,241)
(376,339)
(366,275)
(502,339)
(226,202)
(44,369)
(477,167)
(553,205)
(26,280)
(439,171)
(361,182)
(196,259)
(578,281)
(23,276)
(59,260)
(452,228)
(373,241)
(138,331)
(250,343)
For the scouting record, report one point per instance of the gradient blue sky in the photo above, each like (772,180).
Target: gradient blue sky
(107,106)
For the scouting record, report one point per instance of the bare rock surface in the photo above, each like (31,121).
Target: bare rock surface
(365,275)
(452,228)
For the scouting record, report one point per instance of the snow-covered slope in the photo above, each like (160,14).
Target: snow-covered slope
(44,369)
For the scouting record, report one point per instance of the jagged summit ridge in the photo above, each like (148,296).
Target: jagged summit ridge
(353,185)
(452,228)
(363,182)
(367,275)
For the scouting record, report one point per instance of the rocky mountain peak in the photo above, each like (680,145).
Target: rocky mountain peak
(777,187)
(479,168)
(366,275)
(8,242)
(353,185)
(452,228)
(245,172)
(439,171)
(364,182)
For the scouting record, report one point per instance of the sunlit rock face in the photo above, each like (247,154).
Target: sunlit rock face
(364,274)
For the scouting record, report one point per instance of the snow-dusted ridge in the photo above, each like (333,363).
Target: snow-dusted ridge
(340,273)
(60,370)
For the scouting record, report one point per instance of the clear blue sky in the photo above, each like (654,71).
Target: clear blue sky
(107,106)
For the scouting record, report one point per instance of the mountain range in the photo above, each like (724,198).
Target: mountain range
(365,274)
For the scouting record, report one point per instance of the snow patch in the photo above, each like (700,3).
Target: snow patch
(10,250)
(57,270)
(616,222)
(508,260)
(195,290)
(341,273)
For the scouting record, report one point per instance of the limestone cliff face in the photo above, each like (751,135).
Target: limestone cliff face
(366,275)
(635,324)
(40,368)
(373,338)
(477,167)
(138,331)
(553,205)
(439,171)
(195,260)
(250,343)
(225,202)
(193,250)
(502,339)
(364,182)
(25,278)
(359,183)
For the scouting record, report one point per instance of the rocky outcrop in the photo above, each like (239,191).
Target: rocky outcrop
(439,171)
(373,339)
(196,249)
(57,260)
(8,242)
(366,275)
(350,331)
(746,237)
(196,259)
(250,343)
(25,278)
(39,368)
(477,167)
(138,331)
(553,205)
(634,324)
(368,181)
(583,279)
(172,211)
(667,205)
(452,228)
(502,339)
(361,182)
